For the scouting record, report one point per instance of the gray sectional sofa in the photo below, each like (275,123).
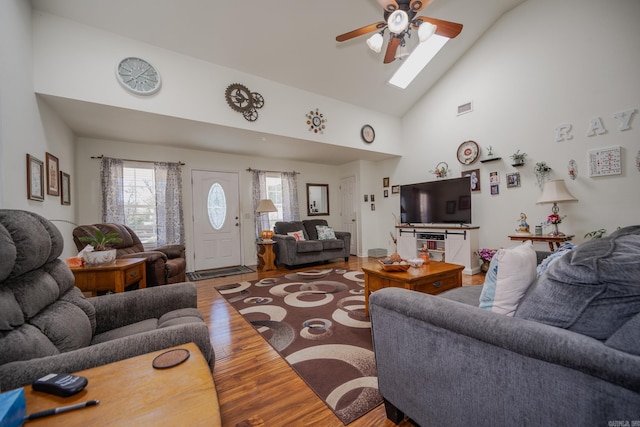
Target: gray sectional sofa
(570,355)
(291,252)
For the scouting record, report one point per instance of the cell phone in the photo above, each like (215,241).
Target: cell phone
(60,384)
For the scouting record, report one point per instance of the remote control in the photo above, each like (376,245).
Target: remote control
(60,384)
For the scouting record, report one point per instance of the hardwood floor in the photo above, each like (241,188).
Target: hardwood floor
(256,387)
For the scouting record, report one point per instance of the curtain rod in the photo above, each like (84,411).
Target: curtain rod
(258,170)
(132,160)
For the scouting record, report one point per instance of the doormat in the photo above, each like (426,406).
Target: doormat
(218,272)
(315,320)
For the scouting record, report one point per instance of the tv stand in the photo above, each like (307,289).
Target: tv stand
(455,244)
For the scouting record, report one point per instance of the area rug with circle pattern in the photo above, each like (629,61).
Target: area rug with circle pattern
(315,320)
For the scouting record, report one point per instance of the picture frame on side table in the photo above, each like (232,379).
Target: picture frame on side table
(53,172)
(35,178)
(65,188)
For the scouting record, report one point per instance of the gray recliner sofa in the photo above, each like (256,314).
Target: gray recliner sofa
(569,356)
(291,252)
(47,325)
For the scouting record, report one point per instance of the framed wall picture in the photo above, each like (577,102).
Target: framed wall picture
(385,182)
(475,178)
(386,193)
(395,189)
(373,198)
(513,180)
(53,171)
(65,188)
(35,179)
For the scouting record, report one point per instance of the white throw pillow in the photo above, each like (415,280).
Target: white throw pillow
(298,235)
(325,232)
(510,273)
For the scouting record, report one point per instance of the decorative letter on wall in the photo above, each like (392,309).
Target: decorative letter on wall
(596,127)
(562,132)
(625,118)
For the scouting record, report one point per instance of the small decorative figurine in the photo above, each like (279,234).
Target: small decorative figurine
(523,227)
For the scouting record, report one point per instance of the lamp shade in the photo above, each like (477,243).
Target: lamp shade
(398,21)
(555,191)
(266,205)
(426,30)
(375,42)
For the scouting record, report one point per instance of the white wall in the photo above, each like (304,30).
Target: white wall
(89,211)
(544,63)
(27,126)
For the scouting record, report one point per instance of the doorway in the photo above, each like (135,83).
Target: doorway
(216,219)
(348,211)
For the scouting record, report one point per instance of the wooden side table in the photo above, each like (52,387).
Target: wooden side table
(548,239)
(266,256)
(114,277)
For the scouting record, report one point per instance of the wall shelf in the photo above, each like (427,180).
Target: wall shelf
(492,159)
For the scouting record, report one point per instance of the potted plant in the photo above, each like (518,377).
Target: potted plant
(100,252)
(518,158)
(485,256)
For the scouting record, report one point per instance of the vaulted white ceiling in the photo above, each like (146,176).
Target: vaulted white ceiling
(287,41)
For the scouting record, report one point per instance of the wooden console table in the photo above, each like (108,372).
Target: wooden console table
(432,278)
(114,277)
(132,393)
(548,239)
(266,256)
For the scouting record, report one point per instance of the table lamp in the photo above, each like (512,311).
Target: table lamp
(555,192)
(264,207)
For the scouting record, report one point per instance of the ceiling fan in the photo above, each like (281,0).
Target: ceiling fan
(400,18)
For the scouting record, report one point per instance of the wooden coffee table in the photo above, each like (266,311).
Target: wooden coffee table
(114,277)
(432,278)
(132,393)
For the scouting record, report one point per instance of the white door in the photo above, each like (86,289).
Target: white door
(348,206)
(216,219)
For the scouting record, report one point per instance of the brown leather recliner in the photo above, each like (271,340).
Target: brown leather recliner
(165,264)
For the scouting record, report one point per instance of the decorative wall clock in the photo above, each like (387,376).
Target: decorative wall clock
(367,133)
(468,152)
(242,100)
(316,121)
(138,76)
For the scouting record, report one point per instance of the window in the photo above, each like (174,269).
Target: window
(140,202)
(274,192)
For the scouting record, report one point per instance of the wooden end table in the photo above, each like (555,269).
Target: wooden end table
(432,278)
(114,277)
(132,393)
(545,239)
(266,256)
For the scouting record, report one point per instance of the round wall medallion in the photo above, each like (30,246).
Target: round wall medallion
(468,152)
(316,121)
(367,133)
(138,76)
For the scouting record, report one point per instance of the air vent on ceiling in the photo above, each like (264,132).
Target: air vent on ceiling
(465,108)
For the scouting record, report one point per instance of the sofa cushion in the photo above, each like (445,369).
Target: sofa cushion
(310,227)
(325,232)
(627,338)
(10,313)
(125,331)
(298,235)
(332,244)
(284,227)
(65,324)
(510,273)
(592,290)
(24,343)
(309,246)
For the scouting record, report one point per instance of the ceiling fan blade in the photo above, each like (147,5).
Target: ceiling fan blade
(445,28)
(361,31)
(417,5)
(390,54)
(388,5)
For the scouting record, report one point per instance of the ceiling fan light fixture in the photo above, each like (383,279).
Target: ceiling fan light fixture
(375,42)
(398,21)
(426,30)
(402,51)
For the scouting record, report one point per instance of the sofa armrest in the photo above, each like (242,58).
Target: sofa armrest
(21,373)
(172,251)
(285,249)
(395,314)
(116,310)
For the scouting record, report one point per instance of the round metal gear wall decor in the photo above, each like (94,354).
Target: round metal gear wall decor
(316,121)
(242,100)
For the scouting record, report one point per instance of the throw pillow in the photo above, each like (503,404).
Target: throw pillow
(298,235)
(511,271)
(592,290)
(325,232)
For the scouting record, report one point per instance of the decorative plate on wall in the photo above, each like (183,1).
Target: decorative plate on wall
(468,152)
(316,121)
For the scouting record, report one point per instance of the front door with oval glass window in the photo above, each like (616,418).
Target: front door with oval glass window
(216,219)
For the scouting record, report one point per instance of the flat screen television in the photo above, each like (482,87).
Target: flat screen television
(446,201)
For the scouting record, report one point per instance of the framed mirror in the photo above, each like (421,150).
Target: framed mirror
(317,199)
